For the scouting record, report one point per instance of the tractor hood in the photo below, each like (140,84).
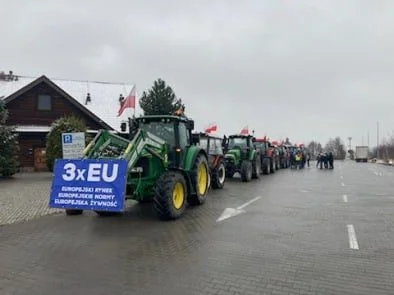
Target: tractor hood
(235,153)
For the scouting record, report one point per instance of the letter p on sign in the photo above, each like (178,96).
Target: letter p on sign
(67,138)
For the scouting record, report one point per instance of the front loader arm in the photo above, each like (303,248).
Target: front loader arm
(145,141)
(108,145)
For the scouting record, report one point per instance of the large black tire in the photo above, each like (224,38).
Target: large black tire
(73,212)
(170,195)
(200,181)
(246,170)
(256,168)
(219,176)
(272,166)
(266,166)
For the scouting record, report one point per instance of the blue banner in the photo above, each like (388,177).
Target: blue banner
(98,185)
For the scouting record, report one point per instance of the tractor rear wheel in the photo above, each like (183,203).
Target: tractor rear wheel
(200,181)
(246,171)
(266,166)
(170,195)
(219,176)
(256,168)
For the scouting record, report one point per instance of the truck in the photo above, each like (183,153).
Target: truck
(361,154)
(164,164)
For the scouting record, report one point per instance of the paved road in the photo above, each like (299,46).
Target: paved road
(294,239)
(25,197)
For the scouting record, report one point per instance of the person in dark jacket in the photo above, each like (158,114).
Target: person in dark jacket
(330,158)
(323,160)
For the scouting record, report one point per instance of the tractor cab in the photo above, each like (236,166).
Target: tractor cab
(239,142)
(176,131)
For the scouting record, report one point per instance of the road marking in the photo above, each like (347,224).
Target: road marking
(353,244)
(248,203)
(228,213)
(342,184)
(345,198)
(231,212)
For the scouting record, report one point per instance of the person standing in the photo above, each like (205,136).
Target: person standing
(318,160)
(331,159)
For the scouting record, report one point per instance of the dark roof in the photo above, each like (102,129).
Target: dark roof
(44,79)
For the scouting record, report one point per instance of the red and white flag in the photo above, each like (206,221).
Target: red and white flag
(245,131)
(128,102)
(211,127)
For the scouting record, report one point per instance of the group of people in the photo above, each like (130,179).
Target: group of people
(325,160)
(300,157)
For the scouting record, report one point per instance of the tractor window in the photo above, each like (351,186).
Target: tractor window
(235,142)
(163,130)
(216,147)
(183,135)
(203,143)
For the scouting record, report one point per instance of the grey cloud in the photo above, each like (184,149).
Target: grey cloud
(303,69)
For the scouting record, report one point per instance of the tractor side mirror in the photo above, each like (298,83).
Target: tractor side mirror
(123,126)
(190,125)
(195,139)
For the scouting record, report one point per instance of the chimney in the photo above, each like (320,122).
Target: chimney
(88,99)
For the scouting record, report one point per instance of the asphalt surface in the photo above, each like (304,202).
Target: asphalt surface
(301,232)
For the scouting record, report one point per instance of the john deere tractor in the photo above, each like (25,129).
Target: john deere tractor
(241,156)
(164,164)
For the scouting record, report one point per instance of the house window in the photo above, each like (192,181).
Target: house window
(44,103)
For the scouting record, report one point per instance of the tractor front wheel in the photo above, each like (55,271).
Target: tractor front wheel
(246,171)
(200,181)
(170,195)
(219,176)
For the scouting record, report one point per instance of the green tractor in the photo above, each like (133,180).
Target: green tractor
(165,166)
(241,156)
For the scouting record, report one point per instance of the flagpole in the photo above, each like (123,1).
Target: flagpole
(135,103)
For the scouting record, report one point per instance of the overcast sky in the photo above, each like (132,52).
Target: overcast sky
(302,69)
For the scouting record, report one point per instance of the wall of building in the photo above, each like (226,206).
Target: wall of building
(23,109)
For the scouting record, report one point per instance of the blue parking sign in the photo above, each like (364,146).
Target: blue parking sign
(89,184)
(67,138)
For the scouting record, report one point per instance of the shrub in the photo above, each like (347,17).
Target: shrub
(8,146)
(54,137)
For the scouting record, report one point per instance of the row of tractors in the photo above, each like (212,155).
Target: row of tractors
(171,166)
(246,155)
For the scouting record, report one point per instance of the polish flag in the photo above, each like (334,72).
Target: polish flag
(211,127)
(245,131)
(128,102)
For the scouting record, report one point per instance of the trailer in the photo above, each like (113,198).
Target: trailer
(361,154)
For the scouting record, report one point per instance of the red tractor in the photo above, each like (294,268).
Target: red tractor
(214,149)
(269,155)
